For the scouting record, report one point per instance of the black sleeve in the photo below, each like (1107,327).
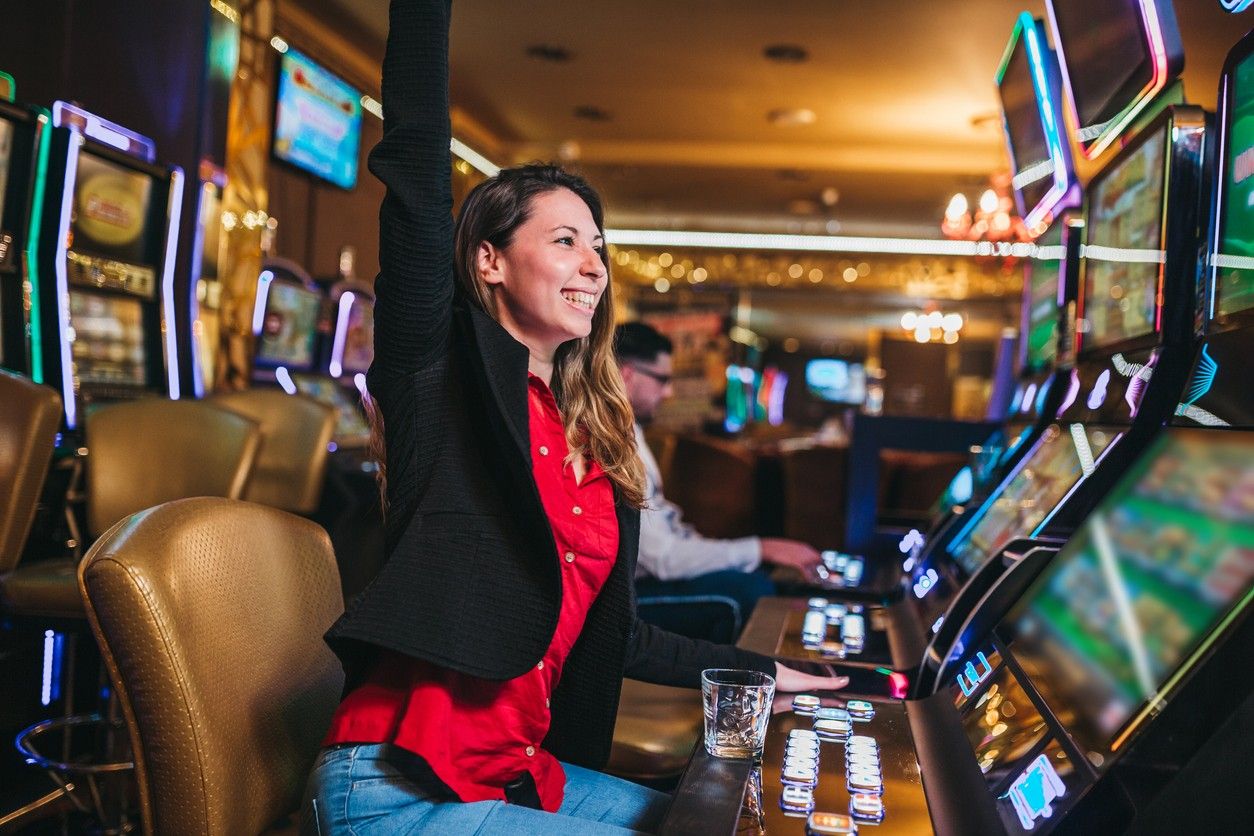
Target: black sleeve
(663,658)
(414,289)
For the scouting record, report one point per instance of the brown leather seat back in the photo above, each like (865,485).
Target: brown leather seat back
(29,416)
(815,487)
(292,463)
(712,481)
(210,614)
(143,453)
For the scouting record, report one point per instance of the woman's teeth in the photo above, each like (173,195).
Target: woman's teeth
(579,299)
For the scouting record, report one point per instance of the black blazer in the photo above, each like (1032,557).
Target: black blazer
(472,581)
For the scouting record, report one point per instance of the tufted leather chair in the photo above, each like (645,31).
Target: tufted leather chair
(29,416)
(655,732)
(295,432)
(210,615)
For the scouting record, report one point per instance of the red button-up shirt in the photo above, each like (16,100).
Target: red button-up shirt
(478,735)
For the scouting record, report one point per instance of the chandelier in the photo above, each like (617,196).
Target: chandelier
(994,219)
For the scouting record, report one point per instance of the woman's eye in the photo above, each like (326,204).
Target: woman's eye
(567,240)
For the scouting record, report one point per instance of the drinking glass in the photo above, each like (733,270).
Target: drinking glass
(737,708)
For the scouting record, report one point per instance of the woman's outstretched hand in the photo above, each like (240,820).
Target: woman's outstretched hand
(791,681)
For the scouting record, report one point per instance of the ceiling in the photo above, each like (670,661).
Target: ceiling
(905,111)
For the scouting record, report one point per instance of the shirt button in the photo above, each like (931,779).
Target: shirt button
(540,665)
(544,451)
(570,557)
(577,511)
(531,750)
(546,702)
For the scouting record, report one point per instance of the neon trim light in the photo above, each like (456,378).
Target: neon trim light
(167,282)
(10,86)
(1034,792)
(63,284)
(1094,139)
(193,303)
(336,367)
(1236,6)
(103,131)
(32,252)
(814,243)
(970,677)
(263,294)
(1051,122)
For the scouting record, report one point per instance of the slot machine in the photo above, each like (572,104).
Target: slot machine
(106,263)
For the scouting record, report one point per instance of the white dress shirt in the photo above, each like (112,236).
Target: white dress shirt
(670,549)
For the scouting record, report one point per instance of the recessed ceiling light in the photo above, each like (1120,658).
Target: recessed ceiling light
(788,117)
(548,52)
(591,113)
(786,53)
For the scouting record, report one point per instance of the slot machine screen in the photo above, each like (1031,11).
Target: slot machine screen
(351,429)
(1041,300)
(359,336)
(1123,254)
(317,123)
(1235,258)
(836,381)
(1029,149)
(1109,60)
(1061,457)
(1127,606)
(108,346)
(109,217)
(6,153)
(290,328)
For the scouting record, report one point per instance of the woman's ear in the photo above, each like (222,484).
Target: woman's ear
(489,263)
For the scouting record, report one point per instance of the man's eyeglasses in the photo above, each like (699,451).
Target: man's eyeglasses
(662,379)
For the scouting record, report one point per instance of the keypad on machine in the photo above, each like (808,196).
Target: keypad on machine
(834,630)
(803,755)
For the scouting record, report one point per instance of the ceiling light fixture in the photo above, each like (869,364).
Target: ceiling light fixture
(791,117)
(814,243)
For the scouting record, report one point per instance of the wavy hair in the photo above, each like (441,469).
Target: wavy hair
(589,390)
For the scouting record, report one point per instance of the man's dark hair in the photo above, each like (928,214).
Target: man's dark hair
(637,341)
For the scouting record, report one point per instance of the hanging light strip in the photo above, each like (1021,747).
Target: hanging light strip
(815,243)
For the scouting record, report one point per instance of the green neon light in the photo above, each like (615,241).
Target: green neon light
(10,90)
(884,671)
(32,248)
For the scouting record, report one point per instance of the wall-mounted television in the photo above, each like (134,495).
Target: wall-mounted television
(317,120)
(836,381)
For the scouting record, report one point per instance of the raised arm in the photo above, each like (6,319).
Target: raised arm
(415,285)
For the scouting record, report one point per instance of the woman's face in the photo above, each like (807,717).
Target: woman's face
(550,279)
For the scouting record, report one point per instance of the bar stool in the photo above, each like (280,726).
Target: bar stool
(141,454)
(295,432)
(210,615)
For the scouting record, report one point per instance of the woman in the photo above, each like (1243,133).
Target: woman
(494,641)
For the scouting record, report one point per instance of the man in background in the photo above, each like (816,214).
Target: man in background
(678,566)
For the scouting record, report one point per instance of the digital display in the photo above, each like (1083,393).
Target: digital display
(317,124)
(836,381)
(6,154)
(359,336)
(1043,478)
(1110,64)
(1041,300)
(108,347)
(351,428)
(1002,725)
(1142,583)
(1235,259)
(1029,149)
(109,216)
(1123,253)
(290,328)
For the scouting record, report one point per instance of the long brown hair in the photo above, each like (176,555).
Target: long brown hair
(589,390)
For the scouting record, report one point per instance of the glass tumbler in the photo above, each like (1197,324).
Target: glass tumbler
(737,708)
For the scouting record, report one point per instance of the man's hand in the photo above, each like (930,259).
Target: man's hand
(804,558)
(790,681)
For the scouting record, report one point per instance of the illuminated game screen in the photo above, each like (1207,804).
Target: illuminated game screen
(6,152)
(351,428)
(317,123)
(359,336)
(836,381)
(1029,149)
(290,328)
(1140,586)
(1235,259)
(108,347)
(1061,458)
(109,217)
(1124,255)
(1041,299)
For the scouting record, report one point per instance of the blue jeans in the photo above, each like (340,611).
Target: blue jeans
(378,790)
